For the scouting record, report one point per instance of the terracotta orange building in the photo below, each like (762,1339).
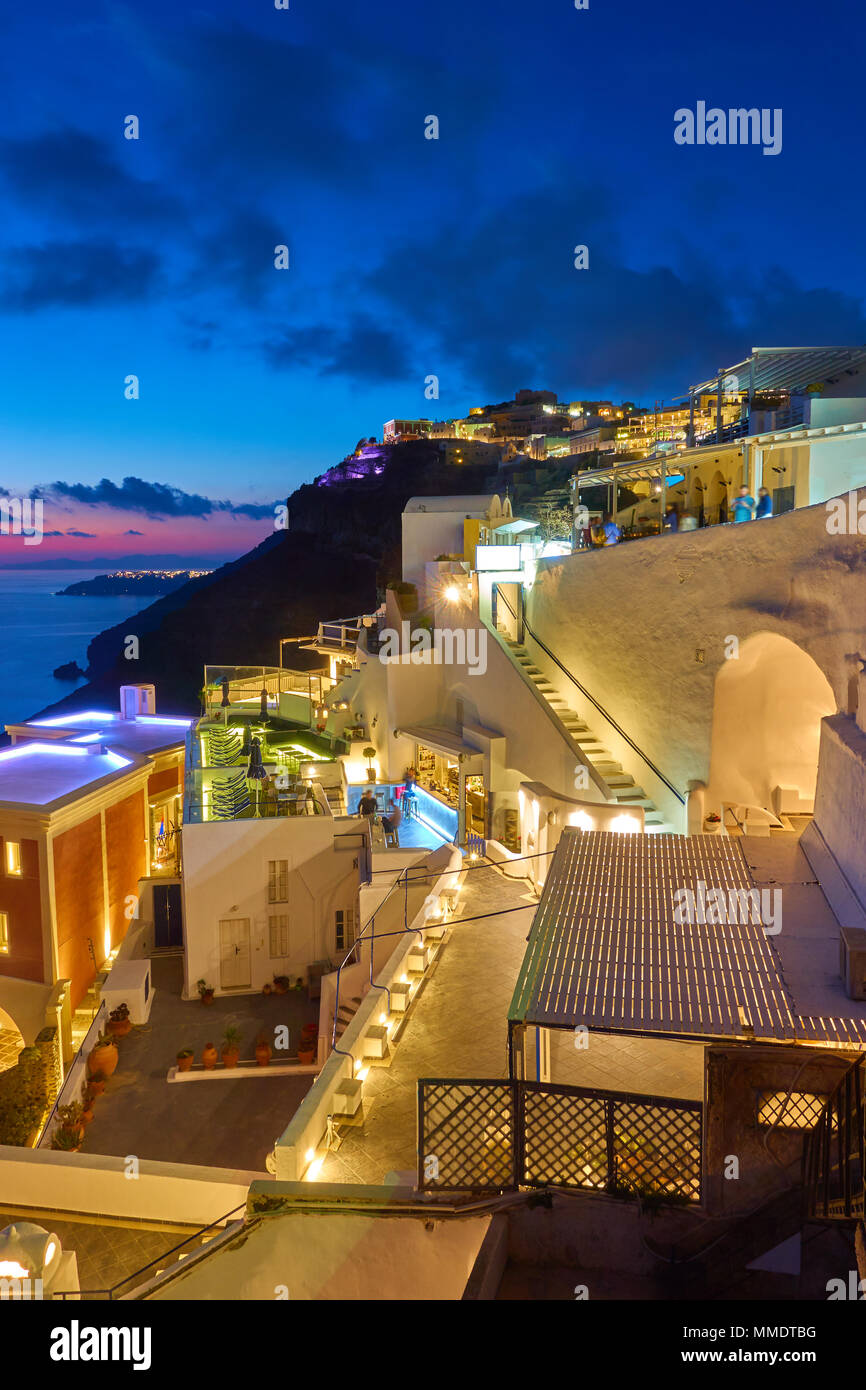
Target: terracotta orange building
(90,803)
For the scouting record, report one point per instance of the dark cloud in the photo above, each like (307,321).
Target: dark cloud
(365,350)
(83,535)
(75,274)
(73,175)
(156,500)
(133,533)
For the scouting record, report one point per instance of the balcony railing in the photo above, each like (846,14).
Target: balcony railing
(246,683)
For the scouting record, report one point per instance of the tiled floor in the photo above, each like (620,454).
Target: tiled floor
(457,1028)
(220,1123)
(647,1066)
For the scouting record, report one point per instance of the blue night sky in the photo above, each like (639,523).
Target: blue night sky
(408,256)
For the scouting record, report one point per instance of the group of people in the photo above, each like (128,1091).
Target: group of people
(369,806)
(743,508)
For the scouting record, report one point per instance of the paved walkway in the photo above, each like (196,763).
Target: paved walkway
(457,1027)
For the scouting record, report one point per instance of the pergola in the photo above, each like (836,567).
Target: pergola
(606,951)
(615,475)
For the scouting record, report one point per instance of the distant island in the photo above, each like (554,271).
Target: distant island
(130,582)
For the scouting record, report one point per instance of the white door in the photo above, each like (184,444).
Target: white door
(235,953)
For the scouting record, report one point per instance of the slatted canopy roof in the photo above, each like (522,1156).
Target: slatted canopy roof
(788,368)
(607,952)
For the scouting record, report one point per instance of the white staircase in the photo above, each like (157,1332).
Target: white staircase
(345,1013)
(588,746)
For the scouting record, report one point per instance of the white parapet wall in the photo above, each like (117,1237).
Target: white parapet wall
(305,1131)
(135,1189)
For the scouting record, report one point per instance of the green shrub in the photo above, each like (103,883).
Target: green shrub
(23,1097)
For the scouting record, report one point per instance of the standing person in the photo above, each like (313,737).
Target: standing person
(410,795)
(612,533)
(743,505)
(672,518)
(368,806)
(765,504)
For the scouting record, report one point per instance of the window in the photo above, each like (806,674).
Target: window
(799,1110)
(344,927)
(278,927)
(13,857)
(4,933)
(278,880)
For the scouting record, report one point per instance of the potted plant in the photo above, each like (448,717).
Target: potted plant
(65,1141)
(231,1046)
(306,1051)
(119,1022)
(370,755)
(96,1082)
(70,1120)
(205,992)
(282,984)
(185,1059)
(103,1057)
(263,1051)
(267,989)
(87,1111)
(209,1057)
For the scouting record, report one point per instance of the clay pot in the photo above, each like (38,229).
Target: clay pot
(266,989)
(87,1113)
(209,1057)
(279,987)
(185,1063)
(120,1027)
(96,1087)
(104,1058)
(230,1056)
(263,1054)
(306,1054)
(207,997)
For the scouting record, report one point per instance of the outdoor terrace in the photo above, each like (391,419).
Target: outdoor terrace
(228,778)
(227,1121)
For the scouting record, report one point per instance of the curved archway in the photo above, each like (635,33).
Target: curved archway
(767,710)
(11,1041)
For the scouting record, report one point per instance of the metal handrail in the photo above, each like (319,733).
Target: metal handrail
(84,1293)
(602,711)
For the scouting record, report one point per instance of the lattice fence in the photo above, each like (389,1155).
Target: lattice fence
(502,1135)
